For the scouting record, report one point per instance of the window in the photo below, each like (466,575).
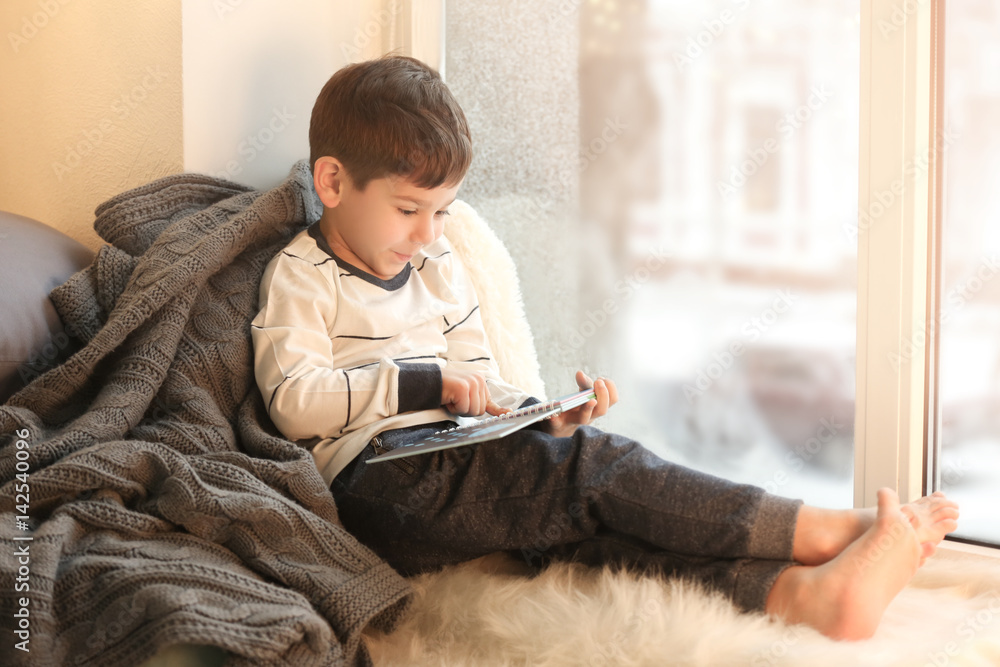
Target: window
(721,196)
(776,213)
(968,463)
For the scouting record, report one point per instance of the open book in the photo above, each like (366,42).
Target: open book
(489,428)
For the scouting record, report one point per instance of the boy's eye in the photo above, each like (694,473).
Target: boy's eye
(413,212)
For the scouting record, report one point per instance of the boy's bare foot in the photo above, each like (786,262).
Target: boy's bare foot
(933,517)
(845,597)
(821,534)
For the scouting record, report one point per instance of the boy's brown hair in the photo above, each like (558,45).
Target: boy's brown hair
(391,116)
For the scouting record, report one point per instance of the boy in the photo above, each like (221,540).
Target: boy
(369,336)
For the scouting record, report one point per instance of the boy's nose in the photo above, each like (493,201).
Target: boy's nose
(423,231)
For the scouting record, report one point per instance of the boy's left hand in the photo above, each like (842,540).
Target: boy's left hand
(565,423)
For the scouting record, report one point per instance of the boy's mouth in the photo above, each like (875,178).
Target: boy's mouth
(401,257)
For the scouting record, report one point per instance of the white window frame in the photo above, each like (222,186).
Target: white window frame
(894,249)
(897,413)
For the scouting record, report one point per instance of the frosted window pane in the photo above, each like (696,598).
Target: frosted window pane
(719,169)
(969,392)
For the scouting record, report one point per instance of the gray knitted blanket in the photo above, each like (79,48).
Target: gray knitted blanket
(145,498)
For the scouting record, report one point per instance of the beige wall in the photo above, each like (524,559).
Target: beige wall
(252,71)
(90,106)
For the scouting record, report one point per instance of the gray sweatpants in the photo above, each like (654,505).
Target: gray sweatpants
(596,497)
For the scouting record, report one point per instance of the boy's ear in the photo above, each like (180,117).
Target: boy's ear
(329,178)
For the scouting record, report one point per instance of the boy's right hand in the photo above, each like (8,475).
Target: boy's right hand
(465,393)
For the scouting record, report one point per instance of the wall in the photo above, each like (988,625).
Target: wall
(252,72)
(91,105)
(102,97)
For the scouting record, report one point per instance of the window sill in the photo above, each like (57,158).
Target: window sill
(955,549)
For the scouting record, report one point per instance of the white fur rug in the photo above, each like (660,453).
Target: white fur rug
(489,612)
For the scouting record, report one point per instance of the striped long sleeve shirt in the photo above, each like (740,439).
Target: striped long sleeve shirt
(341,355)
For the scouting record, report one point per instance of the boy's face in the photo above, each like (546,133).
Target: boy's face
(380,228)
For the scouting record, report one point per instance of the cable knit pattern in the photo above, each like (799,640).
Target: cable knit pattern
(164,506)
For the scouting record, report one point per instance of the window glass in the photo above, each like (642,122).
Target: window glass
(969,316)
(719,169)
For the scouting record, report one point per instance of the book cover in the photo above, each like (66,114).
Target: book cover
(490,428)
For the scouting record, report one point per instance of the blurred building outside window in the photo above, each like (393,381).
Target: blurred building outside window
(720,286)
(719,170)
